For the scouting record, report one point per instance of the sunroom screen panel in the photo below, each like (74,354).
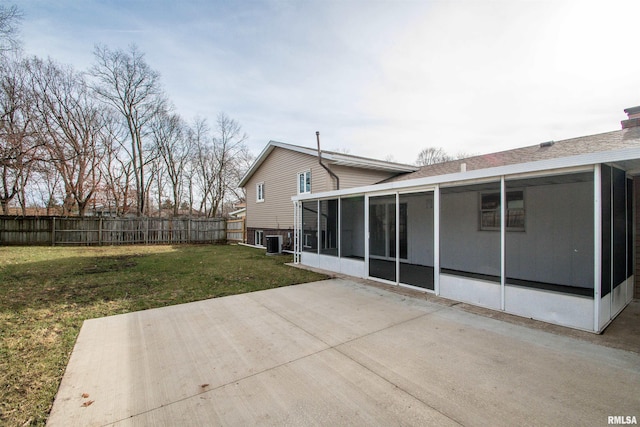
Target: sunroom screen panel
(555,249)
(465,248)
(416,263)
(329,227)
(382,237)
(352,227)
(310,226)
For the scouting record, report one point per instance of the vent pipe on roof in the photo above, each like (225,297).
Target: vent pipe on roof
(325,166)
(634,118)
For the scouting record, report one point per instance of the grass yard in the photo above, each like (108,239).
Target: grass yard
(47,292)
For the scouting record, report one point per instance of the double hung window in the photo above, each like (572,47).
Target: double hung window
(304,182)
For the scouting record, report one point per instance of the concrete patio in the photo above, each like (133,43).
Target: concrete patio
(337,352)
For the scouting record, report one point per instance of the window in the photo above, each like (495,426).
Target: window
(260,192)
(304,182)
(259,236)
(490,211)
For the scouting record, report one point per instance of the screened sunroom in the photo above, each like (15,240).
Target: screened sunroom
(549,240)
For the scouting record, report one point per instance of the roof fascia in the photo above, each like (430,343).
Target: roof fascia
(263,155)
(339,159)
(363,163)
(551,166)
(269,148)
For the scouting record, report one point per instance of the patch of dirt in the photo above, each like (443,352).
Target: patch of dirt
(110,264)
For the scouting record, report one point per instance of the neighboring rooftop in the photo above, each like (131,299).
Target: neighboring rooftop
(616,140)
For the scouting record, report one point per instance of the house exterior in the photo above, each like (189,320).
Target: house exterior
(546,232)
(282,171)
(239,210)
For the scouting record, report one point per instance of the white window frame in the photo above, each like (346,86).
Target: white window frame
(307,182)
(258,241)
(307,240)
(260,192)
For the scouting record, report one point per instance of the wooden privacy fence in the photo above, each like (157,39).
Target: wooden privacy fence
(109,231)
(236,231)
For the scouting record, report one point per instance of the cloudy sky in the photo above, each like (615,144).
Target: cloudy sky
(382,78)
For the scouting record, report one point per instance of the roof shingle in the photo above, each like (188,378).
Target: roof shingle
(620,139)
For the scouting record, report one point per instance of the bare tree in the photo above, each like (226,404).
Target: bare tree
(156,180)
(46,185)
(71,124)
(189,181)
(17,143)
(9,20)
(464,155)
(154,172)
(202,177)
(174,148)
(196,170)
(216,162)
(242,162)
(126,82)
(116,167)
(228,144)
(433,155)
(342,150)
(23,182)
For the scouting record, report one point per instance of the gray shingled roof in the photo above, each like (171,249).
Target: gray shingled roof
(626,138)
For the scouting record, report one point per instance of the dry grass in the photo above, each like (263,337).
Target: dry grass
(46,293)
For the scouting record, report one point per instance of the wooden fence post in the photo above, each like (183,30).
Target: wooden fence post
(53,231)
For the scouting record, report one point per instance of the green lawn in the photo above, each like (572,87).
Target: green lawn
(47,292)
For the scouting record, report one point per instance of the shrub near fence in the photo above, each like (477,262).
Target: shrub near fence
(109,231)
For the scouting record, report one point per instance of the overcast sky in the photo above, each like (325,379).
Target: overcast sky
(381,79)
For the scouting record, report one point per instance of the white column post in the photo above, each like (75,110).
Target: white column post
(296,256)
(366,235)
(339,231)
(318,228)
(397,238)
(436,240)
(597,245)
(503,235)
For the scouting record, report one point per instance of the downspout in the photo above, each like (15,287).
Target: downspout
(325,166)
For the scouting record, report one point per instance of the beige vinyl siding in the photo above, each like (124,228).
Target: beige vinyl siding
(358,177)
(279,173)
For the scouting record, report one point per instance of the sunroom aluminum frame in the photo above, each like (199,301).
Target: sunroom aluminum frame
(626,159)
